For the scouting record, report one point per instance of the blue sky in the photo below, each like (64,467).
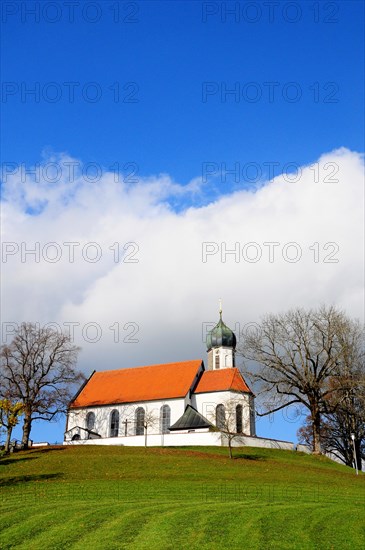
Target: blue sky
(160,73)
(169,52)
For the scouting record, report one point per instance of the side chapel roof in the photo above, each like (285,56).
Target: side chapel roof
(222,380)
(190,420)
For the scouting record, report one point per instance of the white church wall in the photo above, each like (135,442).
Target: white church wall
(197,438)
(261,442)
(206,404)
(157,440)
(303,448)
(252,413)
(77,417)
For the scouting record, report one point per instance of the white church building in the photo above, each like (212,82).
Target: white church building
(171,404)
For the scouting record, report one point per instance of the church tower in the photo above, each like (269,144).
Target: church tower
(221,345)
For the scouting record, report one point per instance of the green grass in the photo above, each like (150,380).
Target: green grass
(91,497)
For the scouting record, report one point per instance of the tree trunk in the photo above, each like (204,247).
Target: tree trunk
(316,426)
(27,426)
(349,455)
(8,437)
(230,448)
(358,454)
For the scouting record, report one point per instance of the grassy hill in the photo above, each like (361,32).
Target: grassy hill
(176,498)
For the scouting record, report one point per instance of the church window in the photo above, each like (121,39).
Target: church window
(220,416)
(239,419)
(140,421)
(165,417)
(90,421)
(114,423)
(217,361)
(252,417)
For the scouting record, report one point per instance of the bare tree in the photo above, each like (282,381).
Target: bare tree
(225,420)
(346,417)
(150,421)
(38,368)
(336,433)
(305,434)
(297,354)
(347,412)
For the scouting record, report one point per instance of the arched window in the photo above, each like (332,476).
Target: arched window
(90,421)
(220,416)
(140,421)
(114,423)
(239,419)
(165,419)
(252,417)
(76,437)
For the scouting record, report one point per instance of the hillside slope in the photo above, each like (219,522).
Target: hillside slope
(118,497)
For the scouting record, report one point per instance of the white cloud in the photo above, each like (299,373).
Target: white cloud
(170,292)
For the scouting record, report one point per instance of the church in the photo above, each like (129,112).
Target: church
(172,404)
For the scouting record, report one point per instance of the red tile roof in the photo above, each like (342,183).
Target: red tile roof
(138,384)
(222,380)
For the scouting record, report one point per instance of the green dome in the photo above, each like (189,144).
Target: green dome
(221,335)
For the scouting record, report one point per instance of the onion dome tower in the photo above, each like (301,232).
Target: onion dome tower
(221,345)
